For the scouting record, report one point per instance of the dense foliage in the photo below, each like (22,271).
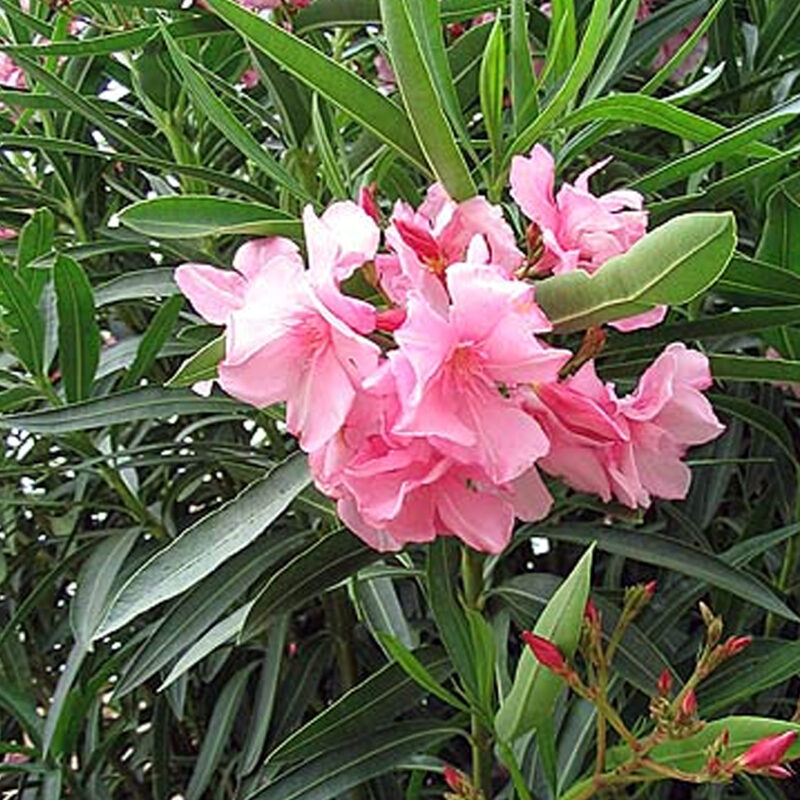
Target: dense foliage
(182,611)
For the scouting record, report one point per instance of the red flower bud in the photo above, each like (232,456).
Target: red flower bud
(780,771)
(689,704)
(650,588)
(665,682)
(547,654)
(591,614)
(453,778)
(768,752)
(366,199)
(735,644)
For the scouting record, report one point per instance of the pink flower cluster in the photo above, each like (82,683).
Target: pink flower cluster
(430,411)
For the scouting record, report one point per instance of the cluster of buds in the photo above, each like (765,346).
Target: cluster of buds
(715,653)
(460,786)
(765,757)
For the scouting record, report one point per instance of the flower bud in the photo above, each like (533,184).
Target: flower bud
(689,704)
(591,614)
(706,613)
(768,752)
(664,683)
(780,771)
(453,778)
(546,653)
(650,589)
(735,644)
(366,199)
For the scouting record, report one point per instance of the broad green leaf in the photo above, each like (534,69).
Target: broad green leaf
(373,703)
(492,87)
(220,115)
(319,567)
(337,83)
(95,582)
(117,409)
(331,773)
(780,239)
(189,216)
(154,338)
(670,265)
(78,331)
(428,120)
(217,734)
(22,317)
(535,688)
(211,541)
(652,548)
(202,366)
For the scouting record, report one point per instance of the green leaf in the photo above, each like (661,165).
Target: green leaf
(670,265)
(202,547)
(117,409)
(152,341)
(660,551)
(223,632)
(95,582)
(36,237)
(265,697)
(319,567)
(337,83)
(136,286)
(750,368)
(746,277)
(331,168)
(27,328)
(780,239)
(330,774)
(193,614)
(226,122)
(492,87)
(416,669)
(622,23)
(535,688)
(78,331)
(22,707)
(378,699)
(382,611)
(523,82)
(428,120)
(202,366)
(219,730)
(189,216)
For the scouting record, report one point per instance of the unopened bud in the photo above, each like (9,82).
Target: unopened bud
(706,613)
(591,614)
(664,683)
(366,199)
(735,644)
(780,771)
(546,653)
(650,589)
(768,752)
(453,778)
(689,704)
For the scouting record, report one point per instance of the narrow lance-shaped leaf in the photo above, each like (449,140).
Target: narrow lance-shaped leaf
(535,688)
(430,124)
(208,543)
(202,366)
(671,265)
(492,86)
(332,80)
(22,317)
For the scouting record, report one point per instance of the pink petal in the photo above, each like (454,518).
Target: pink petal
(532,180)
(647,319)
(214,293)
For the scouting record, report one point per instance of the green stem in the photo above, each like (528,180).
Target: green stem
(472,580)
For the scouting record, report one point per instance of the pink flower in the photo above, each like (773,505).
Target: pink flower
(250,78)
(439,233)
(457,372)
(7,233)
(284,343)
(11,75)
(578,230)
(768,752)
(387,80)
(671,46)
(630,448)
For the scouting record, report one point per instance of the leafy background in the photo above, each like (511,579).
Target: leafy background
(136,664)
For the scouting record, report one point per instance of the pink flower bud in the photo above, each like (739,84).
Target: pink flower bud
(768,752)
(547,654)
(366,199)
(664,683)
(735,644)
(780,771)
(650,588)
(689,704)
